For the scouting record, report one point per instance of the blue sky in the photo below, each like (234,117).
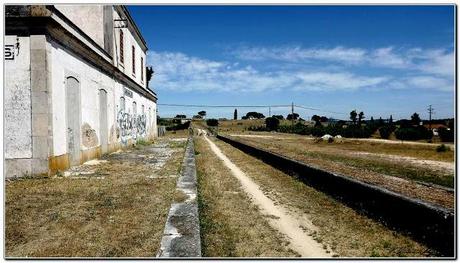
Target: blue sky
(378,59)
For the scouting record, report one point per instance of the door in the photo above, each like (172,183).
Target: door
(103,126)
(73,119)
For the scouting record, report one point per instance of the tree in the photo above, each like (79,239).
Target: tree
(380,121)
(180,116)
(149,73)
(235,115)
(202,113)
(323,119)
(316,119)
(360,118)
(353,115)
(279,117)
(255,115)
(212,122)
(197,117)
(294,116)
(415,119)
(272,123)
(391,120)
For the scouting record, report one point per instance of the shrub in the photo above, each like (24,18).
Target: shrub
(442,148)
(446,135)
(413,133)
(272,123)
(180,126)
(257,128)
(212,122)
(385,131)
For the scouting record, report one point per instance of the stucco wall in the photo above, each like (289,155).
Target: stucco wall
(129,41)
(89,18)
(64,64)
(17,101)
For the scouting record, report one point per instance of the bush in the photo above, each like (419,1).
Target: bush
(272,123)
(442,148)
(413,133)
(180,126)
(212,122)
(385,131)
(446,135)
(257,128)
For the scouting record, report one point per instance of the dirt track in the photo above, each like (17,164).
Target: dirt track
(286,222)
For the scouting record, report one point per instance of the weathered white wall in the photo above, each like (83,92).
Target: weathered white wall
(17,101)
(89,18)
(64,64)
(129,41)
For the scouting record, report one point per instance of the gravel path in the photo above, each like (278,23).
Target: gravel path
(279,218)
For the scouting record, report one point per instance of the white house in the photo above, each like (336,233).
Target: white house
(75,86)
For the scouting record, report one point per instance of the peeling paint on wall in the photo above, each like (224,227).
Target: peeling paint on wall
(88,136)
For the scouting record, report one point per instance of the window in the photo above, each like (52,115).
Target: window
(142,109)
(142,69)
(122,55)
(134,60)
(134,108)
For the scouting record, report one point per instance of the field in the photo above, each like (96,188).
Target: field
(415,169)
(233,226)
(113,207)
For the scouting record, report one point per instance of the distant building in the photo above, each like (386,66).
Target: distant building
(75,86)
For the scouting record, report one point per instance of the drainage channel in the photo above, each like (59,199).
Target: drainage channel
(181,236)
(427,223)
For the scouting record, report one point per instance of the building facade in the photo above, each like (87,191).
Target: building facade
(75,86)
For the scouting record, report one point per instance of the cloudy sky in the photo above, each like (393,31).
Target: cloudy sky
(378,59)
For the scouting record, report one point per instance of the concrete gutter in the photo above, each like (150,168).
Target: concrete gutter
(181,236)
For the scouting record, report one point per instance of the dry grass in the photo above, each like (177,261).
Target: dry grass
(348,233)
(371,169)
(121,215)
(231,226)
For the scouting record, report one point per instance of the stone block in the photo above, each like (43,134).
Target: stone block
(40,147)
(39,166)
(39,124)
(38,80)
(40,102)
(37,42)
(17,168)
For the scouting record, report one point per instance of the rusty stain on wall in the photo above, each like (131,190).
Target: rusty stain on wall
(58,163)
(89,137)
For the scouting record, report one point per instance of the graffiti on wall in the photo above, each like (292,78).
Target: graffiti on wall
(131,126)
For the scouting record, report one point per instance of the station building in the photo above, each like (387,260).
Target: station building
(75,86)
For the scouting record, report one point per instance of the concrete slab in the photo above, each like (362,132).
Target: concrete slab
(181,237)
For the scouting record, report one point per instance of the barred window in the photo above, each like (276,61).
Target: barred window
(134,59)
(122,55)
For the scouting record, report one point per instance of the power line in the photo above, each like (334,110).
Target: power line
(222,106)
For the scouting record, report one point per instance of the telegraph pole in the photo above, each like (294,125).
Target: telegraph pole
(430,111)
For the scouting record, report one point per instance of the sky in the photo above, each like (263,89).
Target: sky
(382,60)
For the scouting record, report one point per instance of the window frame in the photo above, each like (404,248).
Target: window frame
(133,54)
(122,47)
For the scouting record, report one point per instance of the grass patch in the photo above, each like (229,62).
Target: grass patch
(388,168)
(122,215)
(231,226)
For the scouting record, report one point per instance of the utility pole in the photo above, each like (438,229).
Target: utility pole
(430,111)
(292,113)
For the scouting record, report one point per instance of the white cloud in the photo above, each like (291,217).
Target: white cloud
(177,71)
(296,54)
(180,72)
(431,61)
